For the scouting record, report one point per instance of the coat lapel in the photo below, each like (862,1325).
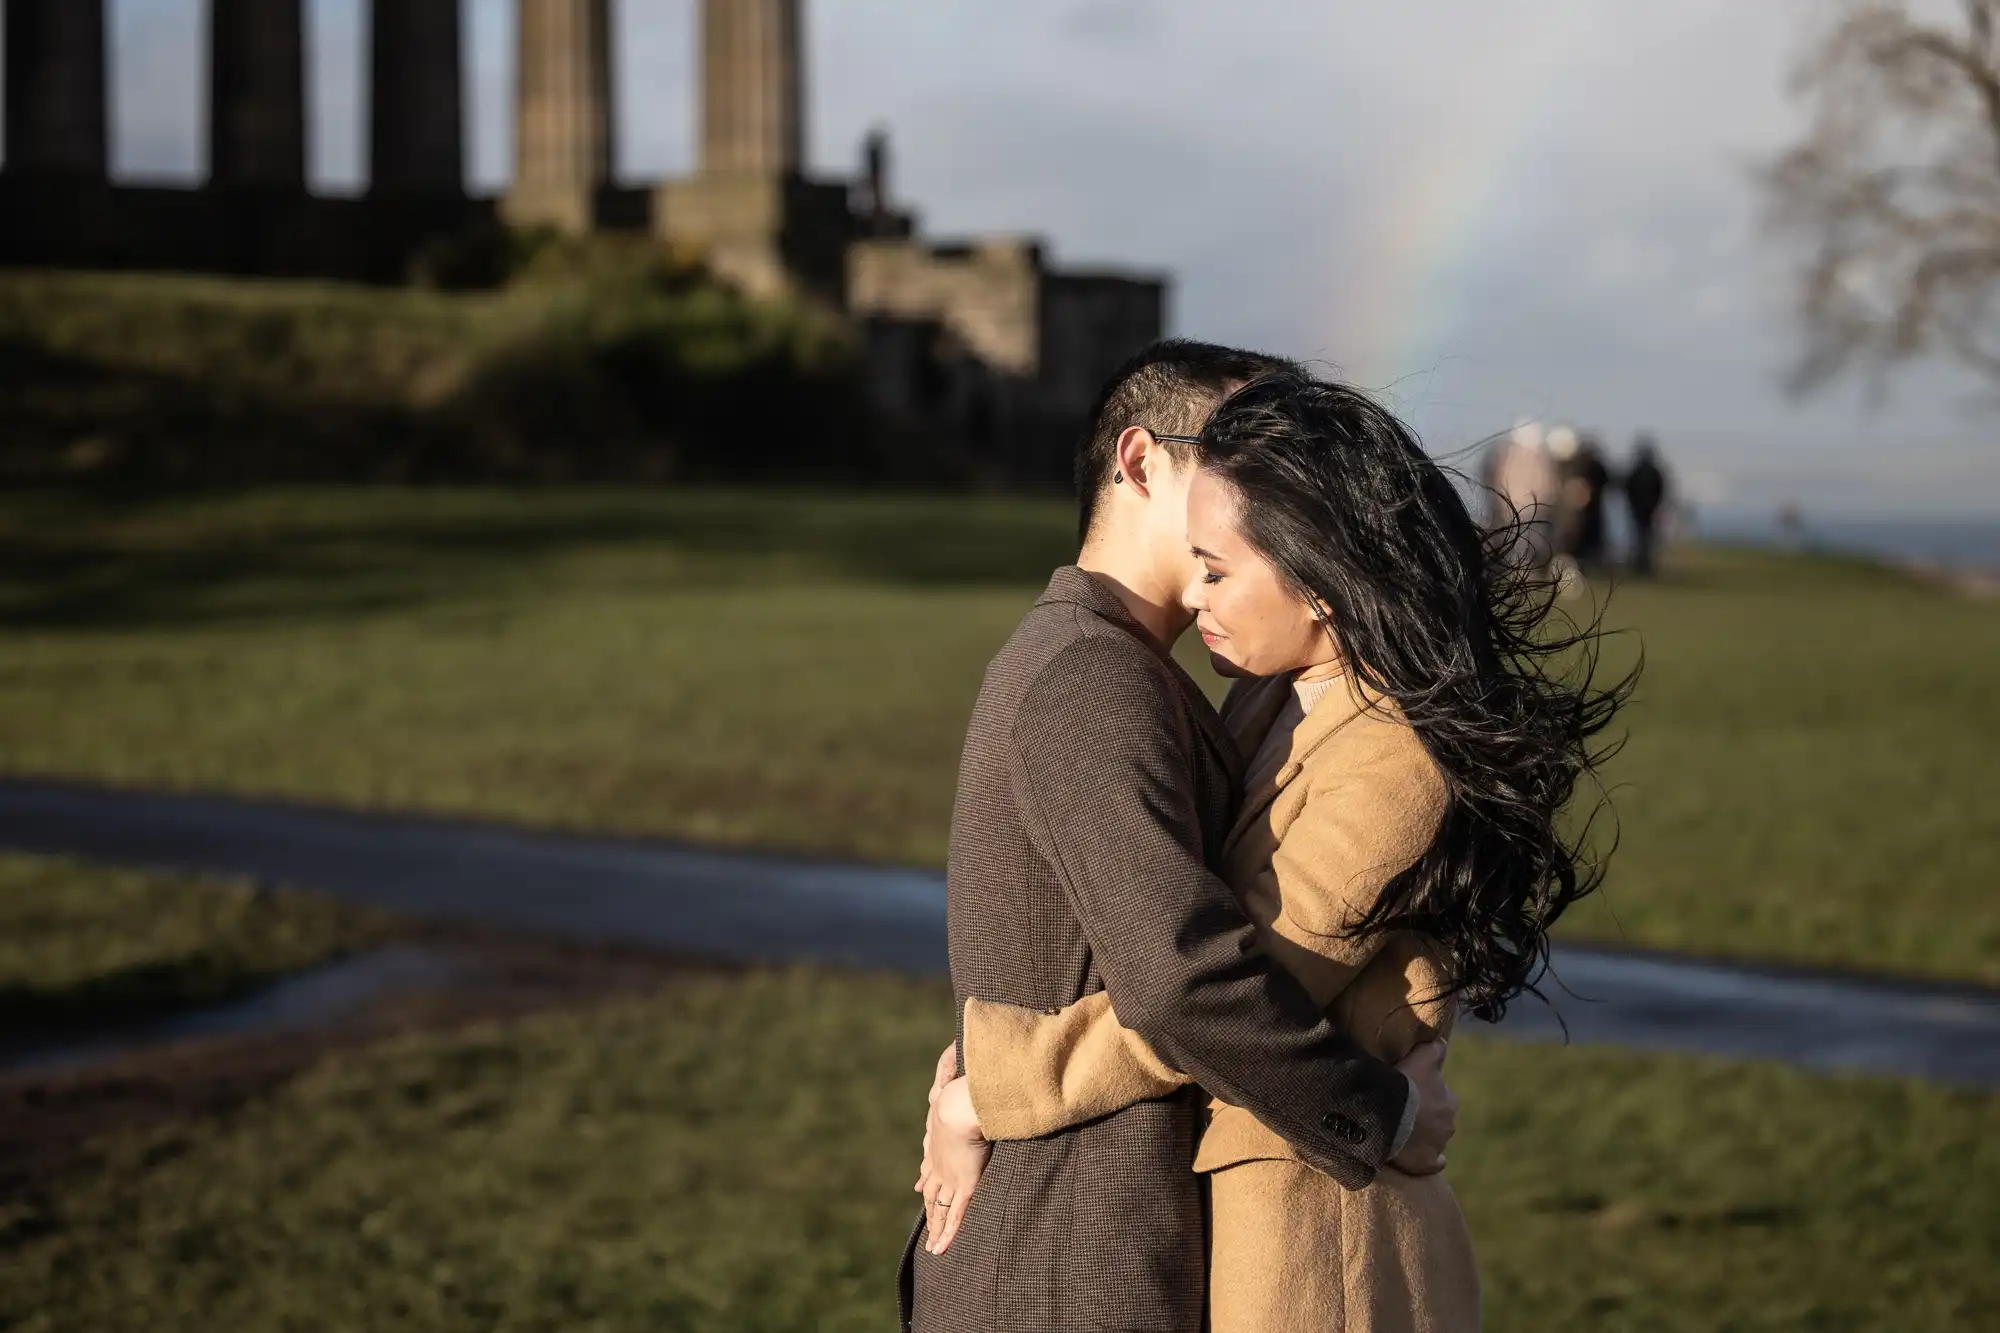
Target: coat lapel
(1270,773)
(1220,742)
(1070,584)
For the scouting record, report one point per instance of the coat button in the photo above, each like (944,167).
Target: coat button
(1343,1129)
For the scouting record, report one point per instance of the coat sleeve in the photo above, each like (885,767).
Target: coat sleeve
(1367,818)
(1102,769)
(1034,1073)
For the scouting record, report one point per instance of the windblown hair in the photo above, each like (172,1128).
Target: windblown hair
(1427,609)
(1169,388)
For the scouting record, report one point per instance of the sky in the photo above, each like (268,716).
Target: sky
(1486,211)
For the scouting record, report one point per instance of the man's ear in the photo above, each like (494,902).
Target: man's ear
(1134,458)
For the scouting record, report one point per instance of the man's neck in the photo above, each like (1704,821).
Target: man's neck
(1158,609)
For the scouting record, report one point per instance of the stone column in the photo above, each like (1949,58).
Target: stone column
(257,94)
(562,144)
(56,114)
(753,94)
(417,98)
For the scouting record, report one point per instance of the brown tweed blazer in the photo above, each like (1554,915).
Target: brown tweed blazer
(1096,792)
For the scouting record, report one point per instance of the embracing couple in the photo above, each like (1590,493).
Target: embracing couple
(1206,963)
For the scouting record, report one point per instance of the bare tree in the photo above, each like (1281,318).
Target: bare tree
(1896,190)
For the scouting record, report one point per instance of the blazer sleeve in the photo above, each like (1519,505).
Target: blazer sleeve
(1033,1073)
(1102,764)
(1367,817)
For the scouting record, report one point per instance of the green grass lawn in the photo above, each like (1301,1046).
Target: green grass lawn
(1812,768)
(82,944)
(736,1154)
(1809,777)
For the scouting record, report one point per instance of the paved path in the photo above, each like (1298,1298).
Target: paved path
(775,909)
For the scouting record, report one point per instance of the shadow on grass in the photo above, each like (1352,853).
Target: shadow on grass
(78,561)
(70,416)
(130,995)
(1634,1215)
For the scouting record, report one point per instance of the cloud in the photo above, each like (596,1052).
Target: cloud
(1120,25)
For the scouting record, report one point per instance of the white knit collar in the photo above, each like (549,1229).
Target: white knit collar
(1310,692)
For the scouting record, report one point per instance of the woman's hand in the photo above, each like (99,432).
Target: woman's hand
(955,1155)
(947,1070)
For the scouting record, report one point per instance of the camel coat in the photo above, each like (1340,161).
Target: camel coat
(1326,823)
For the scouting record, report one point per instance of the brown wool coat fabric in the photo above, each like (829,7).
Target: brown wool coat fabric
(1096,792)
(1326,823)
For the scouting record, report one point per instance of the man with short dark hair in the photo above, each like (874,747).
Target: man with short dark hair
(1174,387)
(1096,788)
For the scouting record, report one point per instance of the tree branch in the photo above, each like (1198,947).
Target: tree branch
(1906,225)
(1984,79)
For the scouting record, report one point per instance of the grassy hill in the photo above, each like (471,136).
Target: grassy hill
(608,363)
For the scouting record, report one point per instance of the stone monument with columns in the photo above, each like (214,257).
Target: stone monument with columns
(981,346)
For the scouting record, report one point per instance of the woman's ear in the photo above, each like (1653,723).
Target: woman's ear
(1322,615)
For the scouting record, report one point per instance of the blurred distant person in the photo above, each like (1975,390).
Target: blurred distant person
(1792,526)
(1561,443)
(1524,492)
(1646,497)
(1586,488)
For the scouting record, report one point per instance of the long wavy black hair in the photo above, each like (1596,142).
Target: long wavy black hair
(1430,609)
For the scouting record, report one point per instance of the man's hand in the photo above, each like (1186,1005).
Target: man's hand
(1437,1112)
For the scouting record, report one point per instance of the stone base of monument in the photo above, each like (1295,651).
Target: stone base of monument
(51,221)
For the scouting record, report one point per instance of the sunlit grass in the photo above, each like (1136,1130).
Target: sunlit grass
(1810,768)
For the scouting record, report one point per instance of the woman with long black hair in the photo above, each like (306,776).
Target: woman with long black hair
(1415,727)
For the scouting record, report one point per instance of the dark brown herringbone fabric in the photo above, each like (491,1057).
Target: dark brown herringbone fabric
(1095,792)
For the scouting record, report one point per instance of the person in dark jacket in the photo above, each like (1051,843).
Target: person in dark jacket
(1646,497)
(1587,487)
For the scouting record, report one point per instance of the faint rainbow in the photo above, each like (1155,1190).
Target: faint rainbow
(1400,303)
